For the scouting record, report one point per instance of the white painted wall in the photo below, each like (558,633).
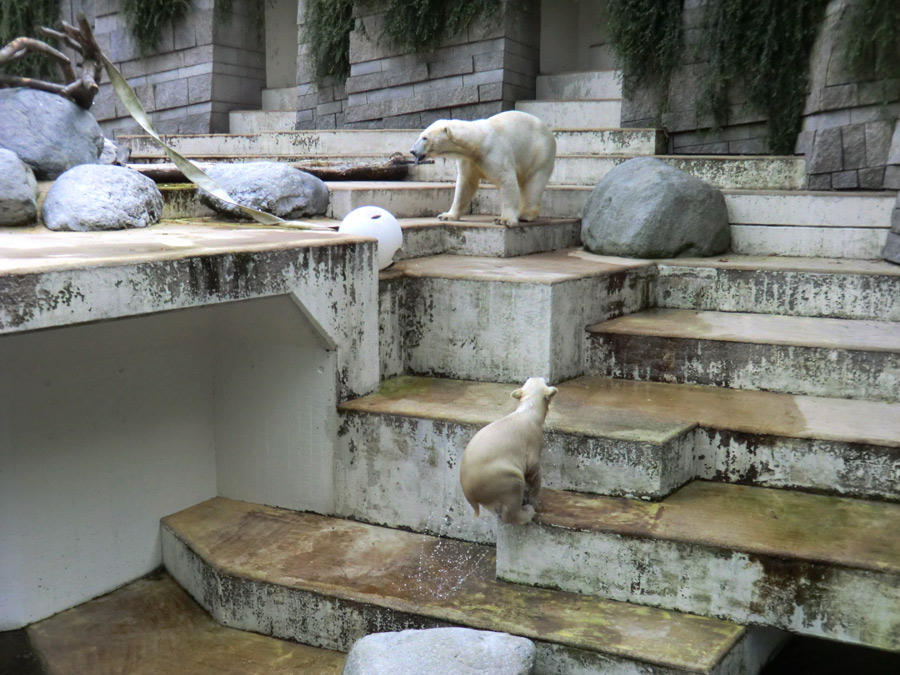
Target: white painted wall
(561,20)
(107,427)
(281,44)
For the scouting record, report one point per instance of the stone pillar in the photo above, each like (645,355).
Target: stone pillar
(200,70)
(847,130)
(475,74)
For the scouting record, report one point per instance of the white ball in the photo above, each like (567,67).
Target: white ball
(374,221)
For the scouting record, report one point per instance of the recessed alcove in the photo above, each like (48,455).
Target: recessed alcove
(106,427)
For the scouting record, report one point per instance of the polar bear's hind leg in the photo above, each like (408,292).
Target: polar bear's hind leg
(532,192)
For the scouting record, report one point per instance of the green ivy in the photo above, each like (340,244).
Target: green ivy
(148,18)
(766,46)
(328,24)
(647,36)
(24,18)
(421,25)
(871,35)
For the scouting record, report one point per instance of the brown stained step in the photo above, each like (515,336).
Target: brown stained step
(611,437)
(786,525)
(811,564)
(327,581)
(652,411)
(841,358)
(152,627)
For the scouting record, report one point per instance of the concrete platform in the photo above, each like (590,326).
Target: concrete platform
(327,582)
(598,114)
(381,142)
(399,449)
(593,84)
(826,287)
(501,320)
(152,627)
(798,355)
(815,565)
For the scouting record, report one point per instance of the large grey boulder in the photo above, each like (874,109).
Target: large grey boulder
(93,197)
(645,208)
(18,191)
(48,132)
(441,651)
(273,187)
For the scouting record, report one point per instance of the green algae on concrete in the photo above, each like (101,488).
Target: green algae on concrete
(152,627)
(437,580)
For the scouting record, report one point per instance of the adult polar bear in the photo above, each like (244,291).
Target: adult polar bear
(513,150)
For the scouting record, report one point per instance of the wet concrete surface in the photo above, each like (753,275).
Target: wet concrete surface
(152,627)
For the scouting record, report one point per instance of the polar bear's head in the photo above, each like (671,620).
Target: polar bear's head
(535,389)
(442,138)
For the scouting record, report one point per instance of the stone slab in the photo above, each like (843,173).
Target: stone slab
(810,564)
(328,582)
(49,280)
(457,315)
(399,449)
(799,355)
(827,287)
(596,84)
(153,626)
(575,114)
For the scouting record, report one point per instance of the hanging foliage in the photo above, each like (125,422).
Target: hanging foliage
(148,18)
(647,39)
(328,24)
(421,25)
(765,45)
(24,19)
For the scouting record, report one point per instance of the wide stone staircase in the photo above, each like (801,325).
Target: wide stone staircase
(722,462)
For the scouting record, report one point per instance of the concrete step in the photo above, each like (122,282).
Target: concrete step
(327,582)
(799,355)
(826,287)
(730,173)
(751,173)
(123,632)
(599,114)
(592,84)
(255,121)
(810,564)
(281,100)
(378,142)
(399,449)
(822,224)
(501,320)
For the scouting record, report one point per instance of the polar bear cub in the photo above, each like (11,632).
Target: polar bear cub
(513,150)
(503,459)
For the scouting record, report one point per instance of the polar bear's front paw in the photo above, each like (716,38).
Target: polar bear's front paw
(447,215)
(506,220)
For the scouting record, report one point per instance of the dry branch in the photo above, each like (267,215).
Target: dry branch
(79,88)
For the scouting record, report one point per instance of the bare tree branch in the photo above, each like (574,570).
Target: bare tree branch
(80,88)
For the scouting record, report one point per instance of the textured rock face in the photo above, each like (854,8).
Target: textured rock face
(48,132)
(891,251)
(273,187)
(438,651)
(644,208)
(18,191)
(101,197)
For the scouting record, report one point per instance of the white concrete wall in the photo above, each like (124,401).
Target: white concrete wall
(583,20)
(107,427)
(281,44)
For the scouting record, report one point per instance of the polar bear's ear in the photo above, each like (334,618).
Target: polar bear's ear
(550,393)
(518,393)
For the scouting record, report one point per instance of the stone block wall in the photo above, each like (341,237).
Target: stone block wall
(201,69)
(475,74)
(849,135)
(849,129)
